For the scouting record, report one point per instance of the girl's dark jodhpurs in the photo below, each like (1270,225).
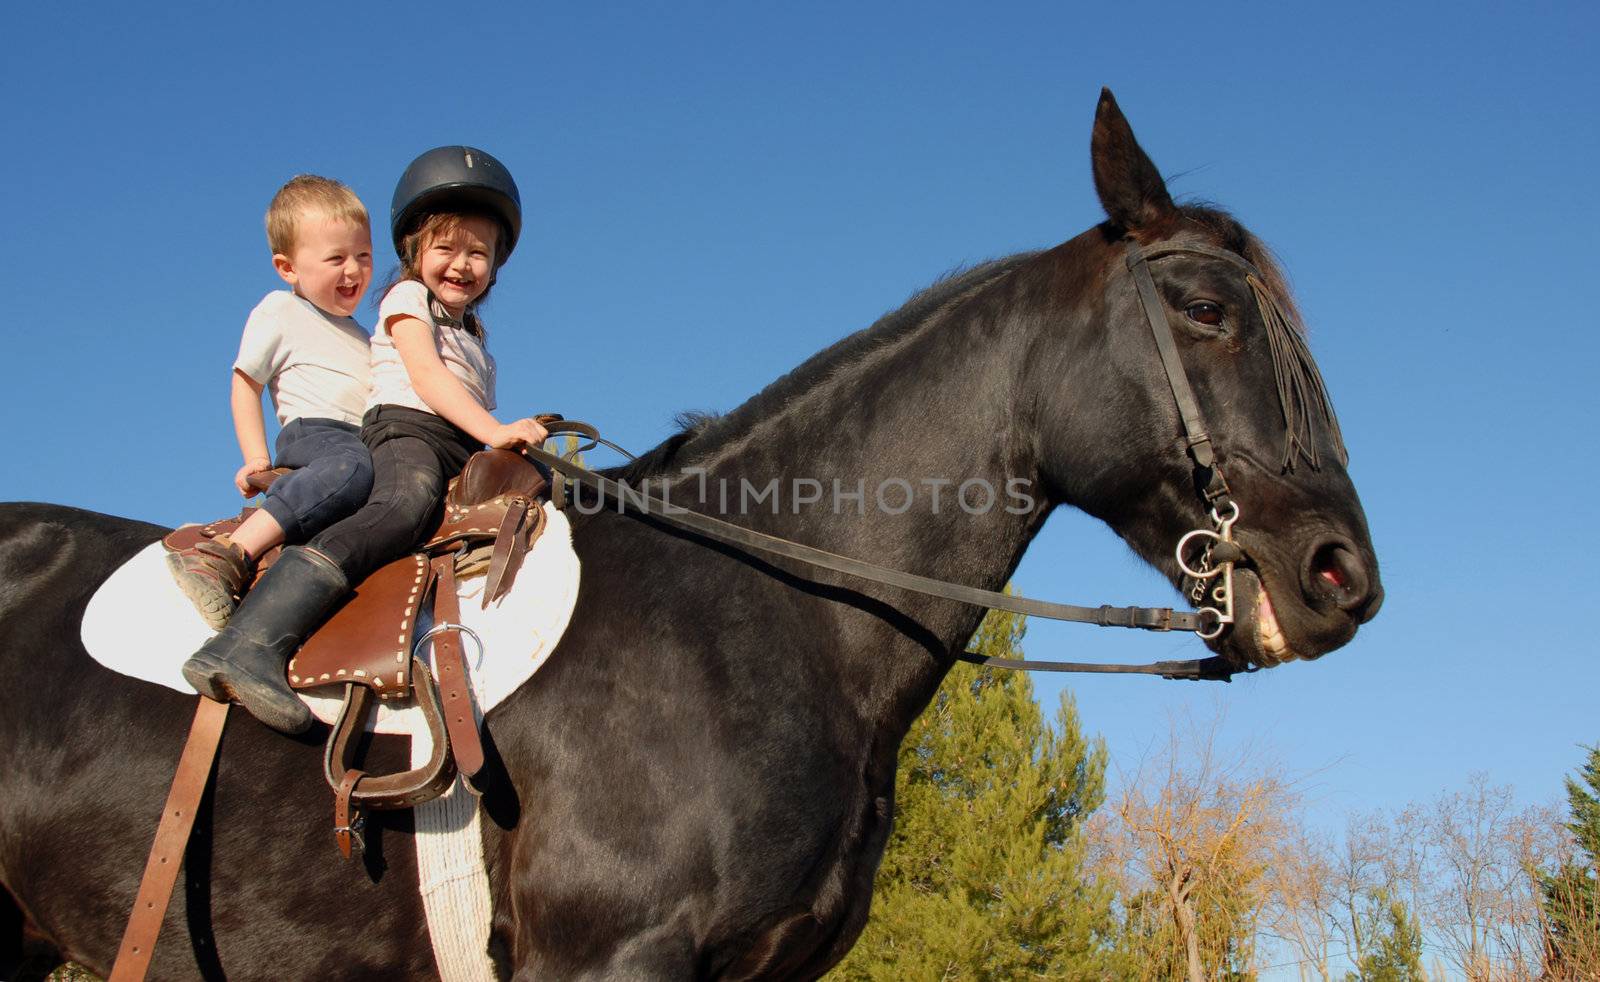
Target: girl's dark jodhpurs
(414,455)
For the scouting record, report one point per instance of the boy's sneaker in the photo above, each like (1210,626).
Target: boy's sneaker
(213,574)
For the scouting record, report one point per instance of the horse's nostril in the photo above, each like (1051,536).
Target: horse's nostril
(1334,573)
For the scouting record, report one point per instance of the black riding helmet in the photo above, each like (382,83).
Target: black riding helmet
(449,178)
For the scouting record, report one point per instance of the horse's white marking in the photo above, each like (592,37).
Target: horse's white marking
(140,624)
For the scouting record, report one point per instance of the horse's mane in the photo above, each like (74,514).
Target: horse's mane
(944,293)
(701,428)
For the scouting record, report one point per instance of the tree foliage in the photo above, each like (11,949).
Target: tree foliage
(985,874)
(1394,952)
(1571,892)
(1192,840)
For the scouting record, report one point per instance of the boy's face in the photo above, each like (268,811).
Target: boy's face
(330,264)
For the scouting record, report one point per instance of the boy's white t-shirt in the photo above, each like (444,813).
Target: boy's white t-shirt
(462,353)
(313,363)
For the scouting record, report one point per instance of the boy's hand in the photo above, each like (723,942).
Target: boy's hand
(254,465)
(523,432)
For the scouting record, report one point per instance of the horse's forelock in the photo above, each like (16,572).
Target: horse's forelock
(1236,238)
(1301,390)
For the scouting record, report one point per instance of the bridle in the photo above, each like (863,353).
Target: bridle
(1210,573)
(1212,578)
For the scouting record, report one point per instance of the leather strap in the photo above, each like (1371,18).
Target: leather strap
(1194,425)
(1156,314)
(1213,669)
(505,542)
(1148,618)
(402,789)
(347,819)
(172,838)
(450,667)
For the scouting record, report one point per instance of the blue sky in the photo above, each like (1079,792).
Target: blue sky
(716,191)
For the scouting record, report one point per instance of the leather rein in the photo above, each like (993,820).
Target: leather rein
(1211,572)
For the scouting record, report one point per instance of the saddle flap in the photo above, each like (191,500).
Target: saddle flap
(369,640)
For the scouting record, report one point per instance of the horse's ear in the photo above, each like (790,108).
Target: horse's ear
(1130,187)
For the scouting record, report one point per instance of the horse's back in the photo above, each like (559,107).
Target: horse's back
(52,558)
(86,756)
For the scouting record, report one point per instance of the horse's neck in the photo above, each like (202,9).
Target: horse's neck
(932,412)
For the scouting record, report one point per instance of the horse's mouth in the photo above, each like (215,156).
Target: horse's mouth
(1272,645)
(1258,638)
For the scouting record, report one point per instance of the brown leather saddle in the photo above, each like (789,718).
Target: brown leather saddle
(492,516)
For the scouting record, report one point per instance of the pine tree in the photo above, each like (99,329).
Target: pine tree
(985,874)
(1395,943)
(1572,891)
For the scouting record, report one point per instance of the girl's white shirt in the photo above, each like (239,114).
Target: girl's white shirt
(463,354)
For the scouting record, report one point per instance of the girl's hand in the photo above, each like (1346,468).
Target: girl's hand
(523,432)
(254,465)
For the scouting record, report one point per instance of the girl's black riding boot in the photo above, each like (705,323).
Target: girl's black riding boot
(246,660)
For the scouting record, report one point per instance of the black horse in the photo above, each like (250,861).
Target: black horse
(698,783)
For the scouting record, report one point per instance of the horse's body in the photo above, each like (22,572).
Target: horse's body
(698,782)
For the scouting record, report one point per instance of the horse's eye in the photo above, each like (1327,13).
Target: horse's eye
(1204,312)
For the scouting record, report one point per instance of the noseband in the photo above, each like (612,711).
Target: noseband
(1206,556)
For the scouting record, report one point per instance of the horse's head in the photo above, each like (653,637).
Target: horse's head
(1261,434)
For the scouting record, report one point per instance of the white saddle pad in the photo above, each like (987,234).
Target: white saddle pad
(140,624)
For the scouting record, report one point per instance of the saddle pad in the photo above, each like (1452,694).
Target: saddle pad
(141,625)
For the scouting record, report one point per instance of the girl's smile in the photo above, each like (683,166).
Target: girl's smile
(457,264)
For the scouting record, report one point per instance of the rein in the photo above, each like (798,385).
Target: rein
(1300,393)
(1214,668)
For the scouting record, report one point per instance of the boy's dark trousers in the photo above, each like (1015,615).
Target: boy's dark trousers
(331,480)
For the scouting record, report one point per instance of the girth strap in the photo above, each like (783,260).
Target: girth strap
(172,838)
(505,542)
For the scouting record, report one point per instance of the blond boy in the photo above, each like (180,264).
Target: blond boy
(303,347)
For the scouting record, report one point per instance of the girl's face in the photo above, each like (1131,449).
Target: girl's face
(457,265)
